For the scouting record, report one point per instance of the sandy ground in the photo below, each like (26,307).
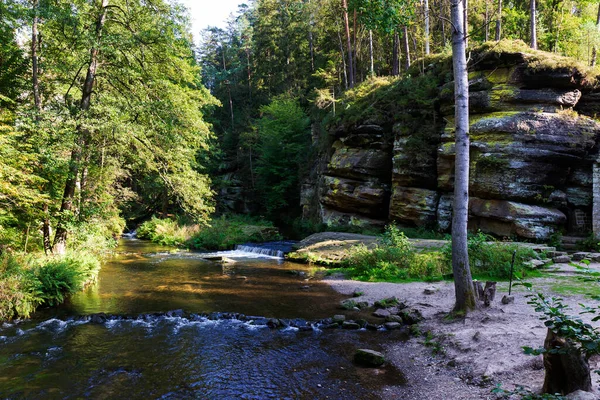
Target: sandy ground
(479,351)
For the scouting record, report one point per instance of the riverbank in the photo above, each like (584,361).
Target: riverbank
(473,354)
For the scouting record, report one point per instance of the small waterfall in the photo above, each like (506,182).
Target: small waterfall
(264,251)
(130,235)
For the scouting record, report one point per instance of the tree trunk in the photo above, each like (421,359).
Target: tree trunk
(312,50)
(354,49)
(396,55)
(46,231)
(372,69)
(443,20)
(34,59)
(486,21)
(406,47)
(426,12)
(37,101)
(595,49)
(567,371)
(349,45)
(499,21)
(81,141)
(463,283)
(533,29)
(345,69)
(466,22)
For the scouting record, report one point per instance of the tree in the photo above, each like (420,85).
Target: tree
(533,24)
(463,282)
(350,63)
(283,143)
(498,22)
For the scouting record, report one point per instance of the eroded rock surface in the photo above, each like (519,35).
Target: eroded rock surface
(531,155)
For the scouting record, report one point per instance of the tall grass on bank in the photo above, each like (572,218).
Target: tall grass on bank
(219,234)
(30,281)
(490,259)
(395,259)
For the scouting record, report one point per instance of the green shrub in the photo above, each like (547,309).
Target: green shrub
(394,260)
(166,232)
(27,282)
(225,232)
(62,276)
(491,259)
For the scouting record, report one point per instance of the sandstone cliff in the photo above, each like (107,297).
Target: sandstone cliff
(534,142)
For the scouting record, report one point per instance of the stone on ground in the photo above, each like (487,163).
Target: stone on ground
(369,358)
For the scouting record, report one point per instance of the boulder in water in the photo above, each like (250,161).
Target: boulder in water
(369,358)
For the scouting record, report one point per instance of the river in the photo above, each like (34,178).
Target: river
(141,349)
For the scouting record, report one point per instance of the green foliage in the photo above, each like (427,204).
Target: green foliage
(62,276)
(583,337)
(166,232)
(491,259)
(394,260)
(525,394)
(218,234)
(591,243)
(225,232)
(283,148)
(27,282)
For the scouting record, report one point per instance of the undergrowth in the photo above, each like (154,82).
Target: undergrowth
(396,259)
(218,234)
(492,260)
(30,281)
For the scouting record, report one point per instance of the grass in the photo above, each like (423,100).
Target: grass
(491,260)
(219,234)
(30,281)
(396,260)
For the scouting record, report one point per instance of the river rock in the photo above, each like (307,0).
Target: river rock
(348,304)
(581,395)
(350,325)
(393,318)
(369,358)
(98,318)
(430,290)
(392,325)
(411,316)
(273,323)
(580,256)
(338,319)
(562,259)
(381,313)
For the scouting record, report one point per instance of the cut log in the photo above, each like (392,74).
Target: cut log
(489,293)
(478,290)
(566,371)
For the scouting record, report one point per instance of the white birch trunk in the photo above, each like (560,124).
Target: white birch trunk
(463,283)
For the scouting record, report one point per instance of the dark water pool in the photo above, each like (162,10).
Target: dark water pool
(60,355)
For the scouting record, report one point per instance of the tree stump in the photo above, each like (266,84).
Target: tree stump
(566,371)
(489,293)
(478,290)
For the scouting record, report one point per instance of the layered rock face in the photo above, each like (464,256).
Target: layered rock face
(532,157)
(355,186)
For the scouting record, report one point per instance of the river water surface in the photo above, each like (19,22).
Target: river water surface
(142,351)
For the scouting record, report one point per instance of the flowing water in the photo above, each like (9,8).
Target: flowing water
(140,350)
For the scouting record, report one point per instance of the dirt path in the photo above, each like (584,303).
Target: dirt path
(483,349)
